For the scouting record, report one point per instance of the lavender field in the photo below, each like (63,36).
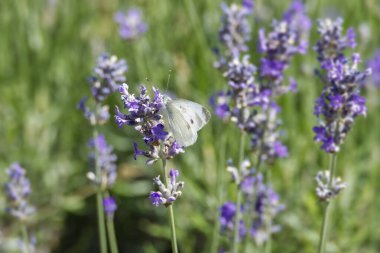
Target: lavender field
(189,126)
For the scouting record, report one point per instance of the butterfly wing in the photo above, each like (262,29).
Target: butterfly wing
(194,113)
(184,119)
(182,131)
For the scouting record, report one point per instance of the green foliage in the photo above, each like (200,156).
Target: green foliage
(48,48)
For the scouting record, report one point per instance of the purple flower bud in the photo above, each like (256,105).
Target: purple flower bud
(131,24)
(167,194)
(17,190)
(374,64)
(102,154)
(156,198)
(109,205)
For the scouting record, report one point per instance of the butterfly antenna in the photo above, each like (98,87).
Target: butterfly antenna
(167,83)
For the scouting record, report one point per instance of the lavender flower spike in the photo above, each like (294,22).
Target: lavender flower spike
(131,24)
(340,102)
(374,64)
(142,113)
(103,154)
(17,190)
(167,194)
(324,191)
(289,37)
(108,74)
(234,32)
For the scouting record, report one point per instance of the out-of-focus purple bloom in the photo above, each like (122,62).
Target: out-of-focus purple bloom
(131,24)
(108,75)
(102,154)
(143,113)
(297,18)
(261,202)
(326,190)
(340,102)
(17,190)
(332,42)
(98,116)
(167,194)
(109,205)
(235,30)
(265,135)
(288,37)
(227,220)
(278,47)
(374,64)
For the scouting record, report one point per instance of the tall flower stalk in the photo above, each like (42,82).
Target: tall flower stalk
(144,114)
(108,74)
(250,100)
(17,190)
(337,106)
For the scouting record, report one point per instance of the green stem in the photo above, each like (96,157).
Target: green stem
(99,200)
(268,214)
(219,185)
(25,238)
(111,231)
(325,221)
(171,211)
(235,246)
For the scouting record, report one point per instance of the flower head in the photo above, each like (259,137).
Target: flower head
(143,113)
(17,190)
(108,74)
(340,102)
(103,155)
(260,202)
(109,205)
(169,193)
(235,31)
(131,24)
(326,190)
(332,42)
(374,64)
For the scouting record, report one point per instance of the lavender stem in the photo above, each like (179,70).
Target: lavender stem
(111,231)
(171,211)
(99,201)
(235,247)
(323,233)
(25,237)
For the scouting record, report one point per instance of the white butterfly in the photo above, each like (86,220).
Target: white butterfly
(184,119)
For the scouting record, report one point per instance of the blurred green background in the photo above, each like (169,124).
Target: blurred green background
(47,50)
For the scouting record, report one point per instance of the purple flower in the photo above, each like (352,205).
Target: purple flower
(156,198)
(235,30)
(103,155)
(108,74)
(277,48)
(167,194)
(332,42)
(280,149)
(260,201)
(17,190)
(296,16)
(143,113)
(227,219)
(131,24)
(374,64)
(340,102)
(109,205)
